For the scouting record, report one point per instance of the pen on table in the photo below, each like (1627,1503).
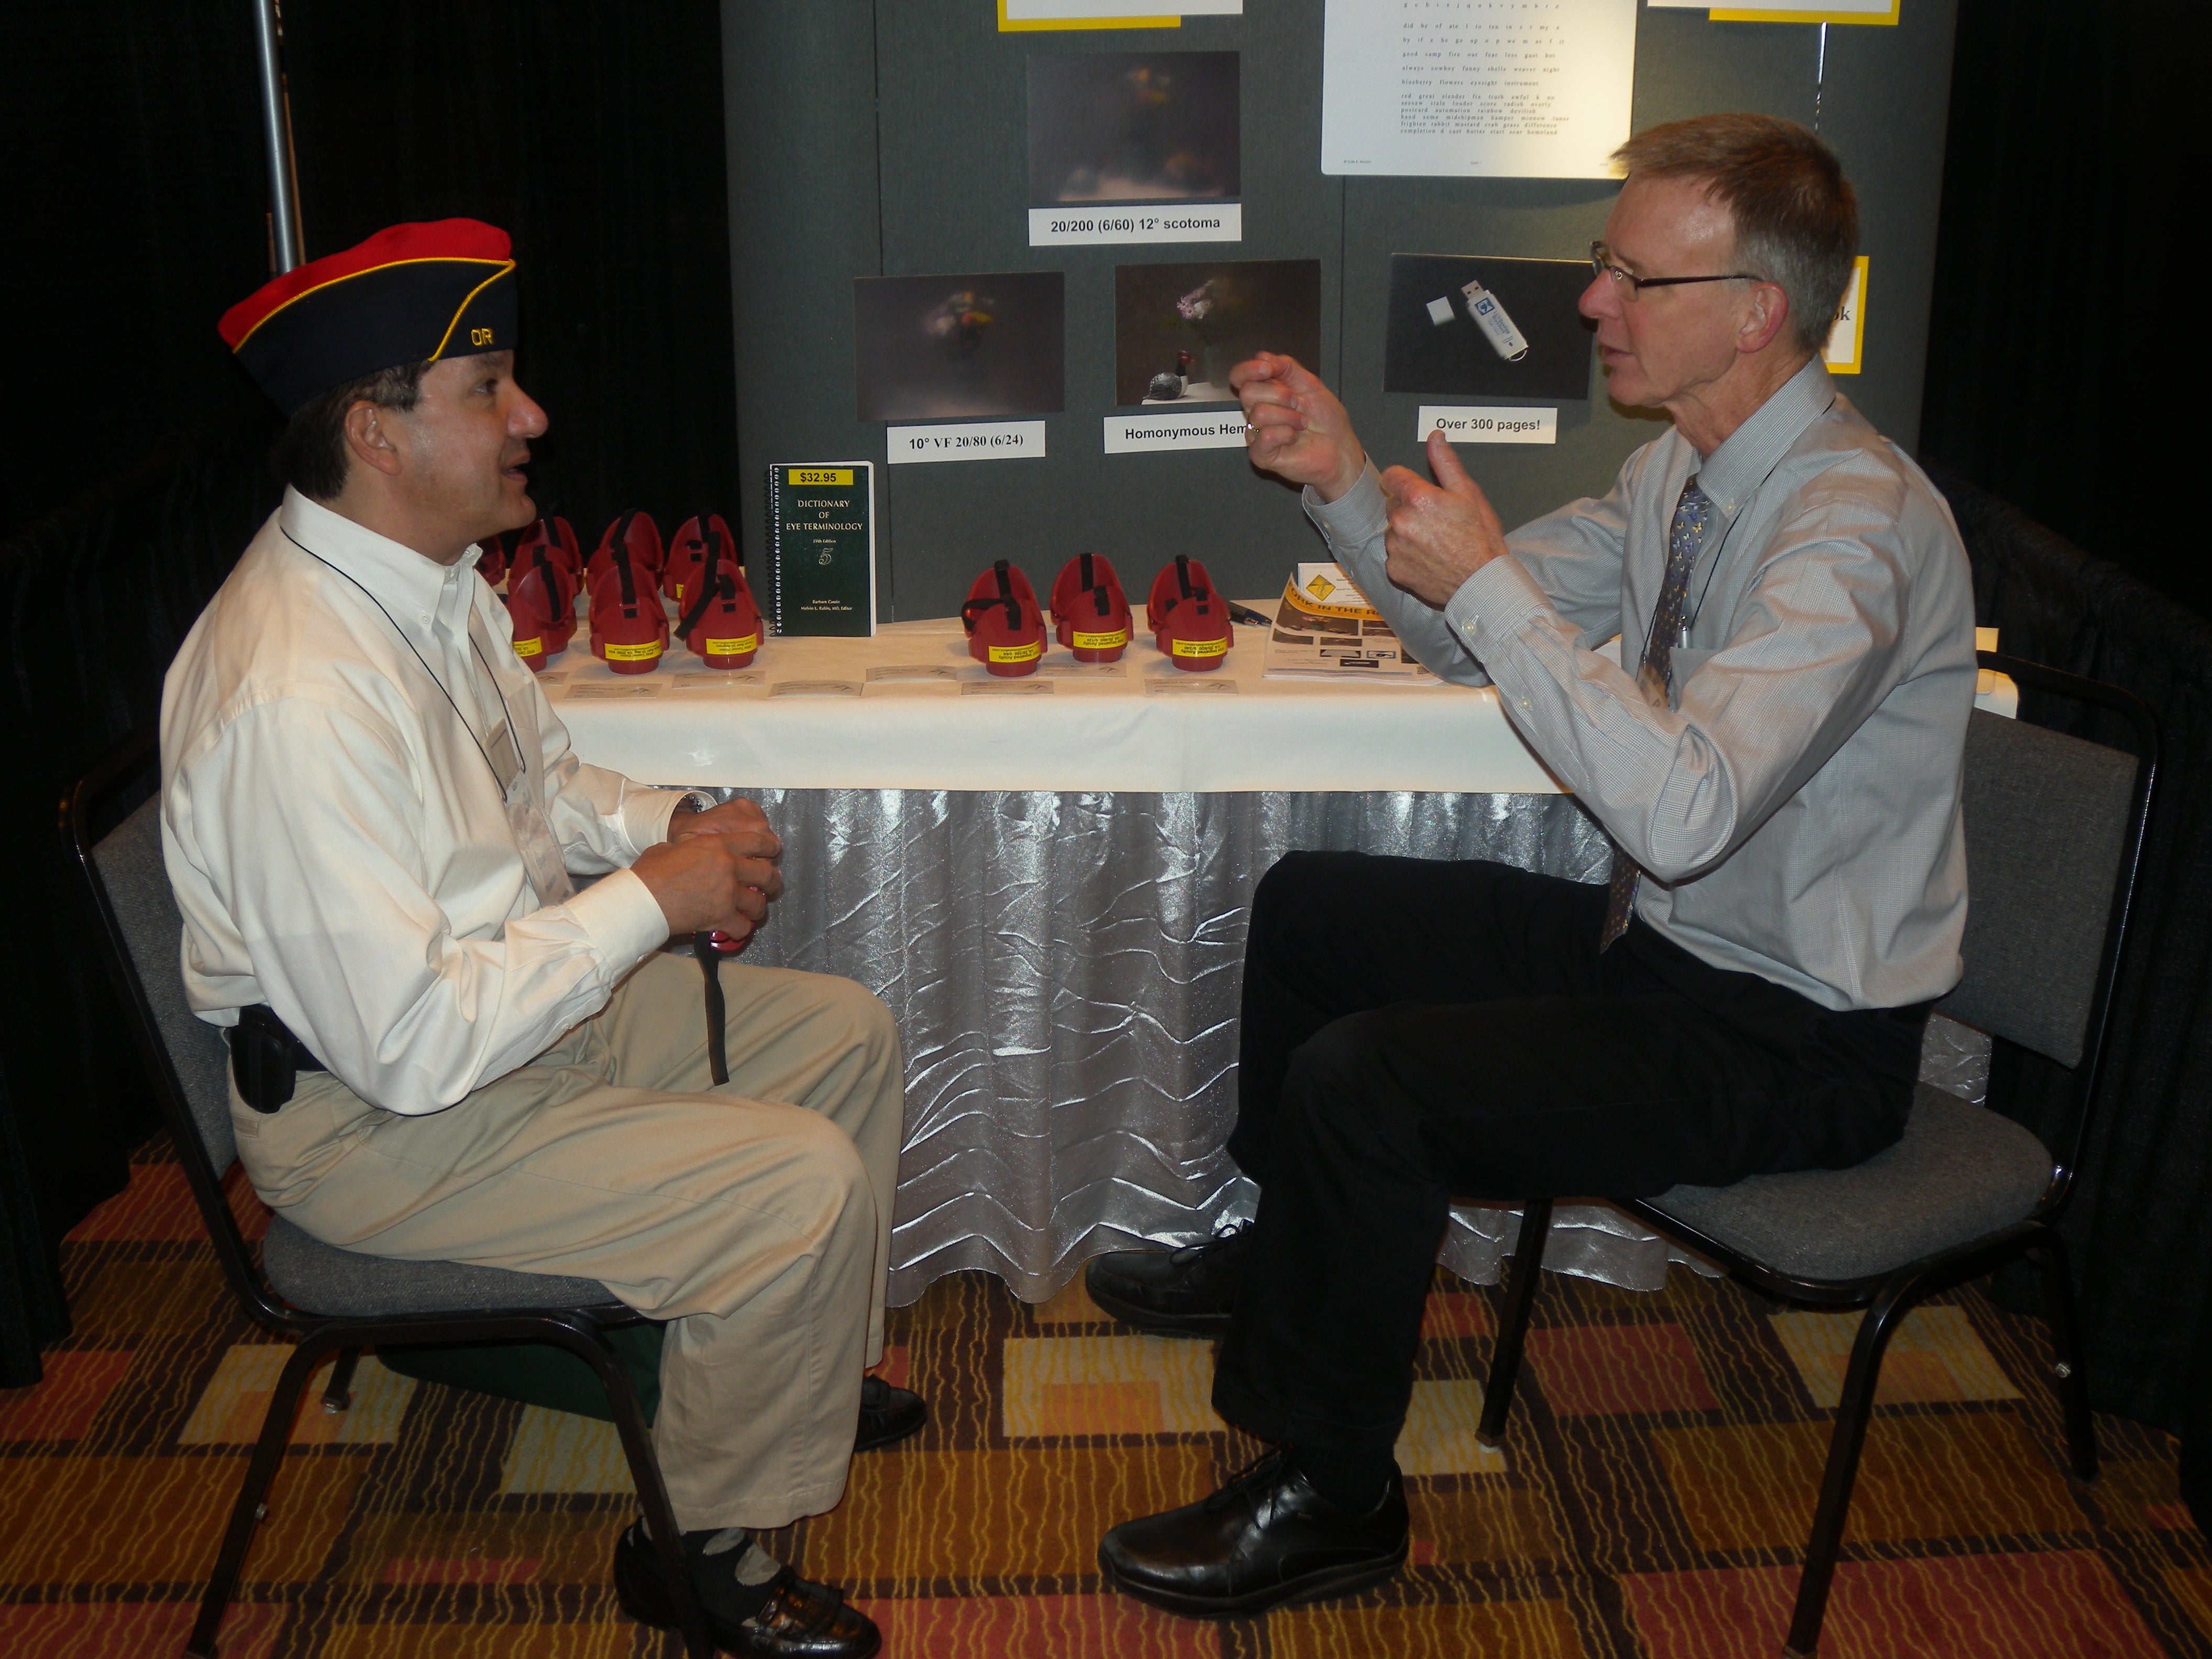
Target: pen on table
(1245,613)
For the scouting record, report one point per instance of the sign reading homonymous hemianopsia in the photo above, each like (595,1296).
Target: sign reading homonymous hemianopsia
(1133,435)
(822,547)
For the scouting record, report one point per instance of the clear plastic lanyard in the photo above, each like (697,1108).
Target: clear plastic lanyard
(525,820)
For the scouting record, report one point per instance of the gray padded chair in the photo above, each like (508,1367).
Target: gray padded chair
(2054,828)
(330,1299)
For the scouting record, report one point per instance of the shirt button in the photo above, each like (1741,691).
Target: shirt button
(426,618)
(1524,702)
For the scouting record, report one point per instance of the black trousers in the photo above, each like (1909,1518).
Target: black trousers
(1416,1032)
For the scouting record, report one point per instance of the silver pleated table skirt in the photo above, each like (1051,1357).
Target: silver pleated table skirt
(1065,970)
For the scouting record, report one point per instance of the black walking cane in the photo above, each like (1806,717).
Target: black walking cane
(710,949)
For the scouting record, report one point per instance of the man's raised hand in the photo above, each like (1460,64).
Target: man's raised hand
(1299,431)
(1440,533)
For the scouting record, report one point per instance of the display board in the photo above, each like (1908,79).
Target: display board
(917,139)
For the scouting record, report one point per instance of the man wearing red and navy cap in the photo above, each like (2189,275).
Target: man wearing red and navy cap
(442,1047)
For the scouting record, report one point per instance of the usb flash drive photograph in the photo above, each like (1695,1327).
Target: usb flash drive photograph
(1489,317)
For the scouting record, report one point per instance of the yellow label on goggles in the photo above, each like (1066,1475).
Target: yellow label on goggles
(529,648)
(733,647)
(645,652)
(1200,647)
(1016,653)
(1100,642)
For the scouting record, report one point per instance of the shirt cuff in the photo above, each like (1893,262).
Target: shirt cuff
(1357,516)
(623,920)
(646,814)
(1493,603)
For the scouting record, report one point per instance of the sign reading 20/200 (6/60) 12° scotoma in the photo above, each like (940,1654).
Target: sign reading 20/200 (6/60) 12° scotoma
(1182,221)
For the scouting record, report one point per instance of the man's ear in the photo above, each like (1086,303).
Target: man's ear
(369,437)
(1764,317)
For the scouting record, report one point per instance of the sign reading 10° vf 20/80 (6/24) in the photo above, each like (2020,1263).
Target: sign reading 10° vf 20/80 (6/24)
(965,441)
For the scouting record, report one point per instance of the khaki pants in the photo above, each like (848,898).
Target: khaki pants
(755,1217)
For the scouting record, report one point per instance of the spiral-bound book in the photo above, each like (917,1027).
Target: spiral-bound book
(822,547)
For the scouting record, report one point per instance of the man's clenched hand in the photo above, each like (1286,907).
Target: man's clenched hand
(717,870)
(1299,431)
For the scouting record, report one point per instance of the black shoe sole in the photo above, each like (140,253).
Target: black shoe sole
(1207,1325)
(891,1436)
(1321,1586)
(642,1594)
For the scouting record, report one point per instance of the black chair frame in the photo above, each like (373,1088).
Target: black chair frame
(577,1329)
(1889,1296)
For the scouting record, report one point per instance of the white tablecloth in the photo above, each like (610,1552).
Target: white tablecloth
(677,726)
(1050,891)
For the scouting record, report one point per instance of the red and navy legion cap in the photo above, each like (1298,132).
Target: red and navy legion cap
(408,295)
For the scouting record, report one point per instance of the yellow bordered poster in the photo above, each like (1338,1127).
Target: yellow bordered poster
(1026,17)
(1847,339)
(1763,15)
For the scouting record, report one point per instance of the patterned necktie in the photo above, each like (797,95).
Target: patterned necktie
(1654,676)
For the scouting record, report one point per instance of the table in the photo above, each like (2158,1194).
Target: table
(1049,891)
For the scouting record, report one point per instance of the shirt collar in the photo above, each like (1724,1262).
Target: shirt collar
(413,589)
(1742,462)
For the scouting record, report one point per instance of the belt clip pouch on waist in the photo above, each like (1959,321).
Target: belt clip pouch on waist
(265,1058)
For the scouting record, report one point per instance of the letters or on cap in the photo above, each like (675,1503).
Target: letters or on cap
(410,293)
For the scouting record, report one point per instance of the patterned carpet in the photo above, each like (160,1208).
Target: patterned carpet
(1650,1500)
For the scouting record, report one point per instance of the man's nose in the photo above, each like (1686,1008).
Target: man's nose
(1601,299)
(526,419)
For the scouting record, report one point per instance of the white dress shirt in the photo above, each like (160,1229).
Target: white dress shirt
(1796,809)
(336,834)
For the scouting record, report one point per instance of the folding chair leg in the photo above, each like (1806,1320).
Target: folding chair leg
(246,1515)
(651,1490)
(2049,1254)
(337,1393)
(1842,1471)
(1513,1321)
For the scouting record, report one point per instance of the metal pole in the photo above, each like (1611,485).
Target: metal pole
(276,136)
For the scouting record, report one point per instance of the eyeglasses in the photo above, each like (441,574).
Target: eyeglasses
(1601,261)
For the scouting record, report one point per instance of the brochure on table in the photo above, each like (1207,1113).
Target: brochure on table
(1325,630)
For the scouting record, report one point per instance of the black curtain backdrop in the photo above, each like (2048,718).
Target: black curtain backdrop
(592,133)
(135,467)
(2143,1253)
(2062,369)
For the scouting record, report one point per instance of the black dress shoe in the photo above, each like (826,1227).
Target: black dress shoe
(887,1414)
(1182,1292)
(1265,1538)
(797,1620)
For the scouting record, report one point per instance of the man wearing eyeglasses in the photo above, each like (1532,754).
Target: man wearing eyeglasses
(1776,755)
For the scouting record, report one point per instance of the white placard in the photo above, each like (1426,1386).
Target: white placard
(1476,88)
(1138,434)
(581,690)
(1488,426)
(815,689)
(1005,688)
(1184,685)
(968,440)
(717,679)
(913,670)
(1054,11)
(1184,222)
